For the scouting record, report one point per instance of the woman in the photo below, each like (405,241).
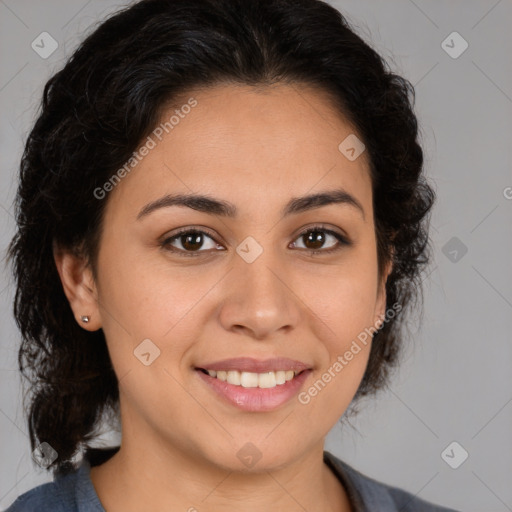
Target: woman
(222,221)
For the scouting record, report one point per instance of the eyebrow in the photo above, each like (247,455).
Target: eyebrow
(213,206)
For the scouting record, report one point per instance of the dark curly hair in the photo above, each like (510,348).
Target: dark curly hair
(111,94)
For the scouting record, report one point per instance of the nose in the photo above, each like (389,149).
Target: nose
(259,298)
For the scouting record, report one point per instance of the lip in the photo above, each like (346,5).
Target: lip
(255,399)
(249,364)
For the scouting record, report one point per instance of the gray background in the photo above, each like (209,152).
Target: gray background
(455,383)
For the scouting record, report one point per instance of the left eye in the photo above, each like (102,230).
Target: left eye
(193,241)
(319,236)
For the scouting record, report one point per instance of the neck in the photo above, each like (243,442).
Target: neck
(158,479)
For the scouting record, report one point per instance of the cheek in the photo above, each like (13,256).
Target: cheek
(343,301)
(330,392)
(344,310)
(343,304)
(141,299)
(140,302)
(149,297)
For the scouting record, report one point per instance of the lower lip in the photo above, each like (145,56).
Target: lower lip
(256,399)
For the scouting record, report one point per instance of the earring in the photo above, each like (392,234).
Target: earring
(84,319)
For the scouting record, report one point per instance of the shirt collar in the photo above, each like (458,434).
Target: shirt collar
(86,498)
(362,491)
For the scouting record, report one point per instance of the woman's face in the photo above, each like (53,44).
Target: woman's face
(247,286)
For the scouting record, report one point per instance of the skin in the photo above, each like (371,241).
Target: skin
(257,149)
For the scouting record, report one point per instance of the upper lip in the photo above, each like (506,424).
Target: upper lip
(248,364)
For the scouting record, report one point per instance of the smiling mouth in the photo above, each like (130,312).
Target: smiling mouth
(243,379)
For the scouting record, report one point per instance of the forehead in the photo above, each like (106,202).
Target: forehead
(247,144)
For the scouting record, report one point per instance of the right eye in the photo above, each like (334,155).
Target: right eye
(190,240)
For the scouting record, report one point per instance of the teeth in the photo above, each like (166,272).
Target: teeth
(280,377)
(267,380)
(233,377)
(248,380)
(254,380)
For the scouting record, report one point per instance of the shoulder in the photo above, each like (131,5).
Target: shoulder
(374,495)
(67,493)
(49,496)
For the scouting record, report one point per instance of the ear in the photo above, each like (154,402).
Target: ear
(79,287)
(380,308)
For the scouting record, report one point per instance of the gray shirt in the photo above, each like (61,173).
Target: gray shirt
(75,492)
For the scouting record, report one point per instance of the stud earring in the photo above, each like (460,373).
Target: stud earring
(84,319)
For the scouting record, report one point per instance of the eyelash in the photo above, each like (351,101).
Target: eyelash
(342,241)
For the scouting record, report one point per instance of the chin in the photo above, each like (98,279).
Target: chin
(250,457)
